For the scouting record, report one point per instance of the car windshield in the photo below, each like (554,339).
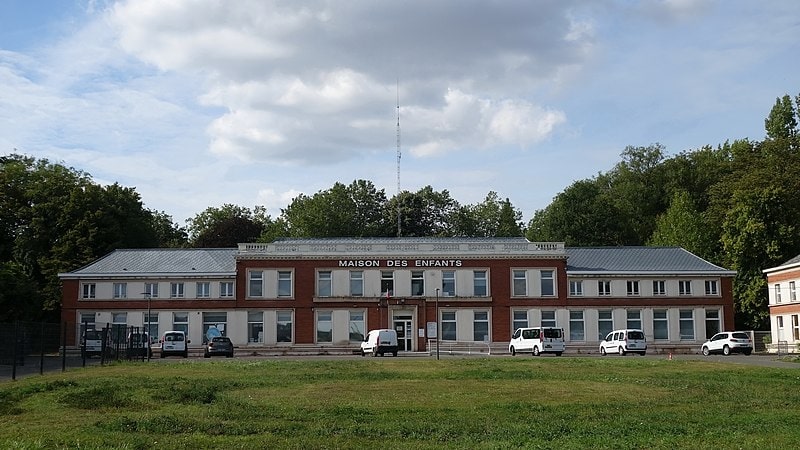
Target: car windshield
(740,336)
(635,335)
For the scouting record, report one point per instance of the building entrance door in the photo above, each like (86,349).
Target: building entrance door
(405,335)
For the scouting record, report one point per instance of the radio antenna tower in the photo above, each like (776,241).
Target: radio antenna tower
(398,159)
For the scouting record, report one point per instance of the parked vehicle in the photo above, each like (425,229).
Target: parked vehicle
(139,345)
(379,342)
(174,343)
(623,342)
(728,342)
(218,345)
(537,341)
(92,344)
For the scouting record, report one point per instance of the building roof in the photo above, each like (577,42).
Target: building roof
(639,260)
(790,264)
(161,261)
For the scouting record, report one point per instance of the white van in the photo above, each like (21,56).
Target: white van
(537,341)
(379,342)
(92,344)
(624,341)
(174,343)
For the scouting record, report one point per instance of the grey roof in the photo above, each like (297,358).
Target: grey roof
(630,260)
(162,261)
(794,260)
(790,264)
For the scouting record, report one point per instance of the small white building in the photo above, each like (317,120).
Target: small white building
(784,305)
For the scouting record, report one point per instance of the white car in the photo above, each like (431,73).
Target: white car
(378,342)
(174,343)
(728,342)
(624,341)
(537,341)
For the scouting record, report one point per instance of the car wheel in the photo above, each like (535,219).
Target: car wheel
(229,355)
(535,350)
(206,355)
(558,353)
(374,352)
(602,351)
(363,353)
(394,353)
(186,354)
(706,352)
(747,353)
(513,351)
(642,353)
(621,351)
(726,350)
(162,354)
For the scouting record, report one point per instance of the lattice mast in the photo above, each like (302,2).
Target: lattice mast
(398,160)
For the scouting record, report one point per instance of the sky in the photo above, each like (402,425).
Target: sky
(200,103)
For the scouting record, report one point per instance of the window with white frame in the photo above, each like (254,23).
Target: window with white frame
(449,283)
(180,321)
(548,318)
(520,283)
(283,326)
(255,326)
(417,283)
(120,290)
(216,320)
(151,290)
(284,283)
(150,322)
(548,281)
(356,326)
(795,327)
(659,287)
(480,326)
(777,293)
(603,288)
(119,326)
(226,289)
(89,290)
(576,288)
(686,324)
(449,326)
(605,323)
(684,287)
(713,322)
(203,289)
(324,283)
(634,319)
(711,287)
(255,283)
(660,324)
(324,327)
(356,283)
(519,319)
(792,292)
(479,283)
(387,283)
(87,321)
(633,288)
(176,290)
(576,326)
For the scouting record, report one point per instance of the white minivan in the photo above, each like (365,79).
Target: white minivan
(624,341)
(378,342)
(537,341)
(174,343)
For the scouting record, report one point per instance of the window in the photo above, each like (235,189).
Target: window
(89,290)
(548,318)
(203,290)
(576,288)
(660,324)
(357,327)
(713,324)
(479,284)
(176,290)
(633,288)
(576,329)
(87,321)
(214,320)
(120,290)
(687,324)
(777,293)
(284,326)
(448,325)
(226,289)
(634,319)
(659,287)
(255,326)
(548,283)
(151,325)
(480,326)
(151,290)
(792,292)
(519,283)
(324,283)
(324,327)
(256,283)
(603,288)
(119,325)
(180,322)
(356,283)
(284,283)
(387,283)
(711,288)
(520,320)
(795,328)
(605,323)
(448,283)
(684,287)
(417,283)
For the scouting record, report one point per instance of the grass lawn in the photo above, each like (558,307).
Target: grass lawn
(414,403)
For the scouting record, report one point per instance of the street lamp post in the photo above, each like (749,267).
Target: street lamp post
(147,332)
(437,323)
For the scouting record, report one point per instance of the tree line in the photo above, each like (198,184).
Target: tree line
(735,205)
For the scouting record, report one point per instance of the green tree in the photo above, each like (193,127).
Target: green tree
(682,226)
(782,120)
(425,213)
(490,218)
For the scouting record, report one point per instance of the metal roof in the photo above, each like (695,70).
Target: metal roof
(632,260)
(161,261)
(790,264)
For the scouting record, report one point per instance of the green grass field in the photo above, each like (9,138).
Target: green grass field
(406,403)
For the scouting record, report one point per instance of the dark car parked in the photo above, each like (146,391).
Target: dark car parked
(219,345)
